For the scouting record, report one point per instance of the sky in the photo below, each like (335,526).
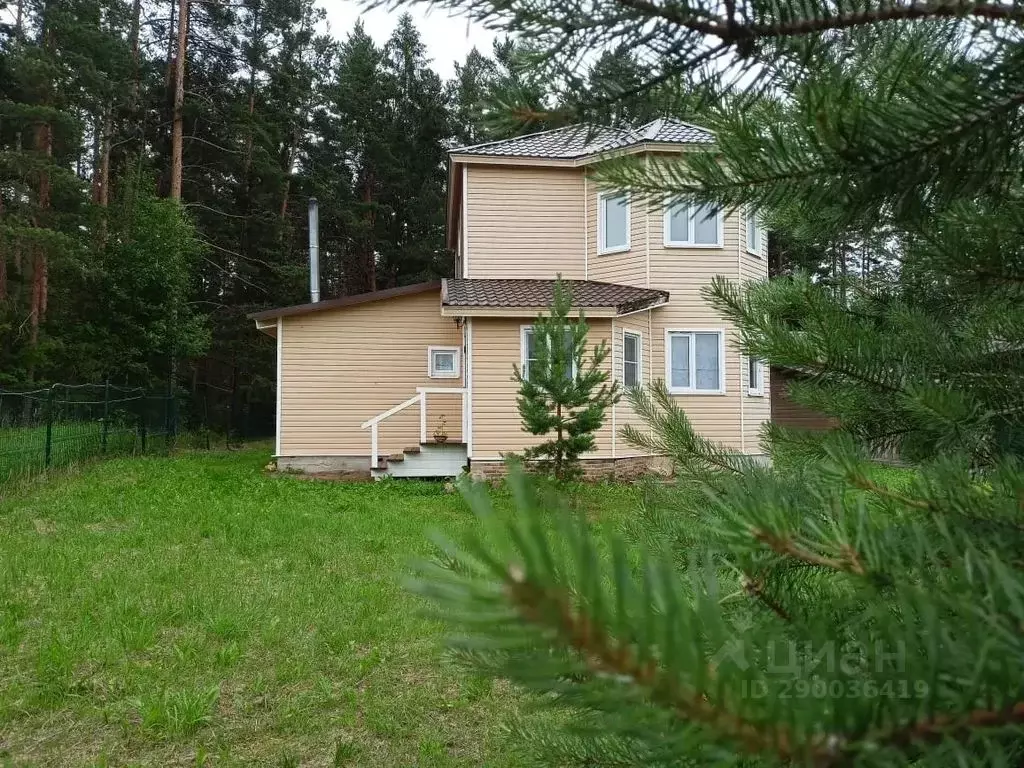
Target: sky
(448,39)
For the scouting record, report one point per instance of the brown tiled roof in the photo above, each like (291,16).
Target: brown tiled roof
(577,141)
(467,292)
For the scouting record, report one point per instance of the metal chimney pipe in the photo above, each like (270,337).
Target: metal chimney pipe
(314,251)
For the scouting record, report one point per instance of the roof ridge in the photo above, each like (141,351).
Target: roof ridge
(575,126)
(651,129)
(695,127)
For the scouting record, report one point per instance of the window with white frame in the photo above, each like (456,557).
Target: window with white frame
(443,362)
(689,225)
(755,377)
(754,233)
(632,357)
(613,222)
(529,351)
(694,362)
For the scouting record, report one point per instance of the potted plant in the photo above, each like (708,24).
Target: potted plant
(441,431)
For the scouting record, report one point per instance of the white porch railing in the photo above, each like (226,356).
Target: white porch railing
(421,398)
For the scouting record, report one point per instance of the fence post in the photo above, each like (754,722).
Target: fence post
(167,417)
(49,427)
(142,424)
(106,415)
(174,415)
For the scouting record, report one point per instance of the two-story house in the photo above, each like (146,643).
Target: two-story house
(417,381)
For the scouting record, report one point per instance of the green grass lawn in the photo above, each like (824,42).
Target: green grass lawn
(194,611)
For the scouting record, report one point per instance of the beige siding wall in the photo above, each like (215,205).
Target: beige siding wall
(535,223)
(497,428)
(757,409)
(342,367)
(524,222)
(628,267)
(684,272)
(624,413)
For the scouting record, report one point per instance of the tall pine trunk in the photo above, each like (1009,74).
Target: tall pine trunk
(3,259)
(134,38)
(40,264)
(249,142)
(177,129)
(101,171)
(369,258)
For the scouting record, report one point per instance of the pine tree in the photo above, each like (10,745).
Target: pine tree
(824,610)
(563,393)
(467,94)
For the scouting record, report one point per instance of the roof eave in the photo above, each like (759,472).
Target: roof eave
(345,301)
(448,310)
(577,161)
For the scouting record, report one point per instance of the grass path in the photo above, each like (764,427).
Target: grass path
(193,611)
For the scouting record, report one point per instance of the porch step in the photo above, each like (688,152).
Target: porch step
(430,459)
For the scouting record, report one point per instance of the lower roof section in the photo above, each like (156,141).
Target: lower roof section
(344,301)
(496,297)
(461,297)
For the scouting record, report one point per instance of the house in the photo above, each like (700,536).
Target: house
(368,381)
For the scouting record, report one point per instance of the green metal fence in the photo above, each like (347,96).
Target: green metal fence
(66,424)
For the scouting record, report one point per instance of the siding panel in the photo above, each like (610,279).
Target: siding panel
(628,267)
(624,413)
(497,428)
(685,272)
(524,222)
(342,367)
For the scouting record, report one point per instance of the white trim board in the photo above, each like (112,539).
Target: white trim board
(280,351)
(465,223)
(468,437)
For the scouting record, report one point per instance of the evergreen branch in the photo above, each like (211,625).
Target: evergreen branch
(850,563)
(938,728)
(603,654)
(755,588)
(867,485)
(732,31)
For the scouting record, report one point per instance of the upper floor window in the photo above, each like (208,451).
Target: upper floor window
(688,225)
(694,362)
(613,222)
(632,356)
(755,377)
(754,233)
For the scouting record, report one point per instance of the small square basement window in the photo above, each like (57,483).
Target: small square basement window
(443,362)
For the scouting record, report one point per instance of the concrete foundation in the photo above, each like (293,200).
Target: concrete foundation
(623,469)
(317,464)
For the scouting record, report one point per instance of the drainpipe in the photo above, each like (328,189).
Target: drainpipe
(314,251)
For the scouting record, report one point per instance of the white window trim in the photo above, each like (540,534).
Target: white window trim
(757,391)
(443,374)
(523,329)
(640,360)
(602,249)
(757,229)
(669,332)
(667,229)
